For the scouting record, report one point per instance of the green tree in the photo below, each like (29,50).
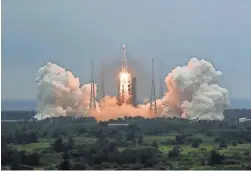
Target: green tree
(31,159)
(15,166)
(223,144)
(112,147)
(131,136)
(215,158)
(65,165)
(70,144)
(175,152)
(155,144)
(195,144)
(247,153)
(140,139)
(32,137)
(58,145)
(179,139)
(79,166)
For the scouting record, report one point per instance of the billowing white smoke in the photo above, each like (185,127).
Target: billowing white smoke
(193,92)
(59,93)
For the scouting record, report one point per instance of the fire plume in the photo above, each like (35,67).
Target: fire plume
(124,85)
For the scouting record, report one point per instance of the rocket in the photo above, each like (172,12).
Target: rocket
(125,81)
(123,60)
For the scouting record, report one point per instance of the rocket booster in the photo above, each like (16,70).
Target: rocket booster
(123,60)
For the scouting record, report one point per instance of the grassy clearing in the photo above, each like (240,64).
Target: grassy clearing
(124,148)
(46,142)
(240,148)
(32,146)
(148,139)
(188,149)
(84,140)
(185,149)
(77,140)
(206,146)
(204,137)
(48,159)
(165,149)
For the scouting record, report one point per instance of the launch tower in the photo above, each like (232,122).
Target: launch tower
(102,84)
(134,100)
(153,107)
(92,96)
(161,92)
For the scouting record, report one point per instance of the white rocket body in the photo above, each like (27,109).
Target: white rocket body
(123,60)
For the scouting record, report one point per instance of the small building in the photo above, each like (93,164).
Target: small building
(241,120)
(118,124)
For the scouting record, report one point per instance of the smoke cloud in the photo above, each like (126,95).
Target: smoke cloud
(193,92)
(60,94)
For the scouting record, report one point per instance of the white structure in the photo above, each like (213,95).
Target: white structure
(117,124)
(123,60)
(241,120)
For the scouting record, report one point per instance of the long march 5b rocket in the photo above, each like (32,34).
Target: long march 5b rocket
(123,60)
(126,87)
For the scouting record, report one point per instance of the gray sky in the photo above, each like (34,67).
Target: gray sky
(72,32)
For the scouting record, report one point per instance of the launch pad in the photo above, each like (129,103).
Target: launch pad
(126,87)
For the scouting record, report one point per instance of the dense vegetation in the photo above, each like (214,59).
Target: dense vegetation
(17,115)
(69,143)
(230,114)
